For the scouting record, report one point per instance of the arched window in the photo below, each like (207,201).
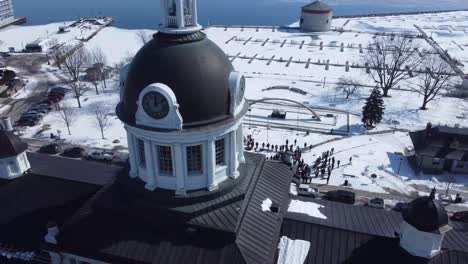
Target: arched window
(188,7)
(172,8)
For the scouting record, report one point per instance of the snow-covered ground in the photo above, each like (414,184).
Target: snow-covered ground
(18,36)
(252,49)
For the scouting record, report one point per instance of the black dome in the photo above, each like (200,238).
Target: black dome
(195,68)
(426,214)
(11,145)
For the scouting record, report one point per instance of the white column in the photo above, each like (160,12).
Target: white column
(194,13)
(180,13)
(163,13)
(150,177)
(179,169)
(132,155)
(211,164)
(240,143)
(233,172)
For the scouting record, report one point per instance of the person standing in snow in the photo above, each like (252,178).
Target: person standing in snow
(350,160)
(338,163)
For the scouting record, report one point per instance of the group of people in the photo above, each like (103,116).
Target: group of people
(322,167)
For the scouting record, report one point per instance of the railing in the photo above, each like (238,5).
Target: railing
(188,20)
(172,21)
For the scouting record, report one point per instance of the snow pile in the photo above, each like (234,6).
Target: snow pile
(266,204)
(308,208)
(293,189)
(292,251)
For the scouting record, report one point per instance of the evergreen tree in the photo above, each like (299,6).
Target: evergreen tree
(373,109)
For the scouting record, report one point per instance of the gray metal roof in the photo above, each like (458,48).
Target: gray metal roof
(317,6)
(258,231)
(10,144)
(373,222)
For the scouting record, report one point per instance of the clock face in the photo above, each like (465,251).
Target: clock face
(155,105)
(241,89)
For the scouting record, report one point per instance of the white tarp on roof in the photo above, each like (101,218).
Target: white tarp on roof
(308,208)
(292,251)
(266,204)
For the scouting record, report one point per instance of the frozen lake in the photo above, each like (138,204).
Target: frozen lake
(145,13)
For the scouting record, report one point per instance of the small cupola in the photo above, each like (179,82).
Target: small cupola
(13,159)
(179,17)
(425,223)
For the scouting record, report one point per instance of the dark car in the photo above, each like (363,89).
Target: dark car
(460,216)
(74,152)
(51,149)
(26,122)
(278,113)
(341,196)
(400,207)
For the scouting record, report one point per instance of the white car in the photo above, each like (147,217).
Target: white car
(307,191)
(376,203)
(101,155)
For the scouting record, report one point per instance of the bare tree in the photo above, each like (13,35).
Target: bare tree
(94,78)
(102,117)
(99,60)
(390,60)
(349,86)
(448,184)
(68,116)
(78,89)
(433,80)
(74,63)
(143,37)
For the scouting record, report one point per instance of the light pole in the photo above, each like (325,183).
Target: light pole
(399,167)
(250,116)
(297,125)
(268,128)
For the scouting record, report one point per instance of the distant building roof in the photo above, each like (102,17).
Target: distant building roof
(11,145)
(437,142)
(317,6)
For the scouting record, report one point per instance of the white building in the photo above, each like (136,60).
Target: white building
(182,104)
(6,12)
(316,17)
(13,159)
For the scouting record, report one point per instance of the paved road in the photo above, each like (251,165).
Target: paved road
(28,66)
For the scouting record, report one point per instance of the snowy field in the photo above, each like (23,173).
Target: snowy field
(18,36)
(279,57)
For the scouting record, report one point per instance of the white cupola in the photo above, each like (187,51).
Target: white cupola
(425,223)
(179,17)
(13,159)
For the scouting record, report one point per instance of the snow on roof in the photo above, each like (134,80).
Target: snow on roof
(266,204)
(293,189)
(308,208)
(292,251)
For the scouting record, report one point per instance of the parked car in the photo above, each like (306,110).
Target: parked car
(100,155)
(341,196)
(306,191)
(74,152)
(278,113)
(460,216)
(51,149)
(38,109)
(58,90)
(4,54)
(399,207)
(376,203)
(26,122)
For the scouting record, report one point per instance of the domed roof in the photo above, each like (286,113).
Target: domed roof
(426,214)
(196,70)
(317,6)
(11,145)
